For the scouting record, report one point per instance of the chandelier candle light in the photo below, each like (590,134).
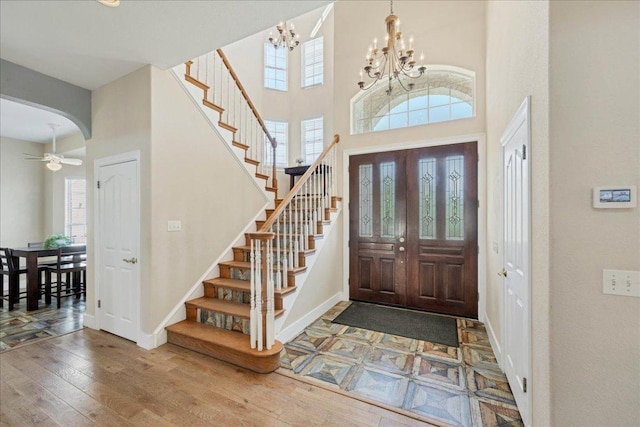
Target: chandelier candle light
(286,37)
(393,61)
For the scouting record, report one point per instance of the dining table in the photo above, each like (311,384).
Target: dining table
(33,275)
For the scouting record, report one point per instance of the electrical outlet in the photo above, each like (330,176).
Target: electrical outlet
(621,282)
(174,225)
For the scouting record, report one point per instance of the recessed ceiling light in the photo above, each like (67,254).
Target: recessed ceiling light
(110,3)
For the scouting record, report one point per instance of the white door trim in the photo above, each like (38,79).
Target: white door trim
(132,156)
(482,196)
(521,118)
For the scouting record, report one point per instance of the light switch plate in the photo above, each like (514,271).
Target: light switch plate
(621,282)
(174,225)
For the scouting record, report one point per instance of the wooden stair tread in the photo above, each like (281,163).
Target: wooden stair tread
(248,248)
(231,308)
(240,145)
(222,306)
(243,265)
(227,126)
(242,285)
(213,106)
(251,161)
(234,284)
(196,82)
(230,346)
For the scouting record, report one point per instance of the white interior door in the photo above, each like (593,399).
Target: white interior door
(516,273)
(118,249)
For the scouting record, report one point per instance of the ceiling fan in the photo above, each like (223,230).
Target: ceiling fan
(55,161)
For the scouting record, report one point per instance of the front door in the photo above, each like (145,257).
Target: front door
(118,249)
(413,228)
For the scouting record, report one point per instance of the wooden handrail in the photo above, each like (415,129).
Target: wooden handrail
(246,97)
(281,207)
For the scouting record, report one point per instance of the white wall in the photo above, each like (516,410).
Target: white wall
(22,194)
(324,277)
(594,140)
(517,66)
(196,179)
(121,123)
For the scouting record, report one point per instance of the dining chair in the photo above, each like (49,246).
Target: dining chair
(13,272)
(70,262)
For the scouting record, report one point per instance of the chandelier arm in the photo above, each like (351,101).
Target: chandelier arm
(403,86)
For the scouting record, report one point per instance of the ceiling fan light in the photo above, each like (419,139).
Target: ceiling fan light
(110,3)
(53,166)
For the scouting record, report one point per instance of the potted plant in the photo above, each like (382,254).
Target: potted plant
(56,241)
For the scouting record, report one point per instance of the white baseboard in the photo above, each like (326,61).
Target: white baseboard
(493,340)
(147,341)
(293,330)
(89,321)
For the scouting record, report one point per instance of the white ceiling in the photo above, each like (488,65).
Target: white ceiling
(89,45)
(19,121)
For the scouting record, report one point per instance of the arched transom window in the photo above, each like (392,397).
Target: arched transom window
(444,93)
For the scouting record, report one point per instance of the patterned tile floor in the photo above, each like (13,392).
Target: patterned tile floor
(455,386)
(20,327)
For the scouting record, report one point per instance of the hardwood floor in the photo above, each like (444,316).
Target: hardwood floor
(93,378)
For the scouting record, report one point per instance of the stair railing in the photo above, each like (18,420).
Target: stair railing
(278,248)
(224,93)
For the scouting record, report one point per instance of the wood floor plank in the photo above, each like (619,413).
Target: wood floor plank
(91,377)
(56,408)
(75,397)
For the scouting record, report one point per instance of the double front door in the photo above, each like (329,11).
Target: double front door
(413,228)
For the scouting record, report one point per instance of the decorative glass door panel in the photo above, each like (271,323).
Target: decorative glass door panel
(377,266)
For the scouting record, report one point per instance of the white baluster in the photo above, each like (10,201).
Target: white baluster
(253,317)
(270,297)
(276,226)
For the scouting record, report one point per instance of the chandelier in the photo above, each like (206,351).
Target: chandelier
(393,61)
(286,37)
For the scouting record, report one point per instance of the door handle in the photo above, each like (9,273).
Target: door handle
(503,273)
(133,260)
(401,240)
(401,248)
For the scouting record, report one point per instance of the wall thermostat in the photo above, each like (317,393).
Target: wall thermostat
(615,196)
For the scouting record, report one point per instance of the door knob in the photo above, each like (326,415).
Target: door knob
(503,273)
(401,239)
(401,248)
(133,260)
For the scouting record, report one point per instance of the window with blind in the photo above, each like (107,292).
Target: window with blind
(312,139)
(313,62)
(76,209)
(275,67)
(280,131)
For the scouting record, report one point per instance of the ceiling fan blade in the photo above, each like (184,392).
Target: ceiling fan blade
(38,159)
(72,162)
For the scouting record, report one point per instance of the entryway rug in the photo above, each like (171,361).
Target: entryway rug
(397,321)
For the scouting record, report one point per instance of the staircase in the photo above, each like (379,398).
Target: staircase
(235,319)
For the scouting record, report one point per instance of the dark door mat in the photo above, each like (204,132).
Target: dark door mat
(398,321)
